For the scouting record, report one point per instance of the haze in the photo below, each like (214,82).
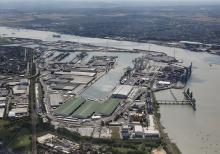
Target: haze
(99,3)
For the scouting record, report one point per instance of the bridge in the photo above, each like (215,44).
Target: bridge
(173,102)
(178,102)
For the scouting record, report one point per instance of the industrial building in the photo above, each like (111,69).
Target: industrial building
(55,100)
(2,111)
(96,108)
(91,74)
(20,89)
(18,112)
(82,108)
(125,132)
(151,134)
(122,91)
(69,106)
(2,101)
(138,131)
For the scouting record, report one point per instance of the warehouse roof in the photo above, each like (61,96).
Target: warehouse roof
(108,106)
(138,128)
(123,90)
(3,98)
(55,99)
(90,107)
(2,110)
(77,73)
(69,106)
(86,110)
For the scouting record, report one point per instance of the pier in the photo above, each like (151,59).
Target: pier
(189,100)
(173,102)
(189,97)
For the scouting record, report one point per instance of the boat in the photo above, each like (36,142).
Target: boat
(56,35)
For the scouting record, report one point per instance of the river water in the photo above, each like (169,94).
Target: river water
(195,132)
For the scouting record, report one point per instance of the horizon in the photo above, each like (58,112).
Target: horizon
(104,3)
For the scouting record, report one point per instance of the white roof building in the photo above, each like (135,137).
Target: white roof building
(151,123)
(138,130)
(122,91)
(2,111)
(151,133)
(2,104)
(17,90)
(77,73)
(18,112)
(3,98)
(164,82)
(43,138)
(55,100)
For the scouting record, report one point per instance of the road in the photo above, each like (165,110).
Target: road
(9,99)
(32,79)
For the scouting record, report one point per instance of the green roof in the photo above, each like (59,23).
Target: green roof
(104,108)
(108,106)
(86,110)
(70,106)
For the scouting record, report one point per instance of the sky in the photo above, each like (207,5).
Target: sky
(147,1)
(100,3)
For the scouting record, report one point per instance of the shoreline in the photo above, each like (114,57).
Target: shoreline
(167,144)
(165,43)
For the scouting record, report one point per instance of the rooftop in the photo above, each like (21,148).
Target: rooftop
(69,106)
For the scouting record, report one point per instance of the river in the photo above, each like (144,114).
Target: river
(195,132)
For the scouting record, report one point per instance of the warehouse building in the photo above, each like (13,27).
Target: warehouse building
(2,101)
(55,100)
(69,106)
(91,74)
(122,91)
(151,134)
(18,112)
(96,108)
(2,111)
(138,130)
(20,89)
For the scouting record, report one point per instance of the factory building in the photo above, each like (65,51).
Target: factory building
(151,134)
(18,112)
(191,44)
(91,74)
(20,89)
(2,106)
(125,132)
(136,116)
(2,101)
(138,131)
(122,91)
(2,111)
(55,100)
(150,131)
